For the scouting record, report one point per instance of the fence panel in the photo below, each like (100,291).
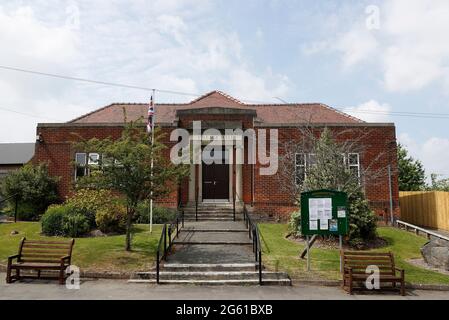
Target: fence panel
(425,208)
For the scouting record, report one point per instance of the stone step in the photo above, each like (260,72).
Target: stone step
(269,282)
(210,238)
(211,219)
(179,267)
(192,229)
(211,275)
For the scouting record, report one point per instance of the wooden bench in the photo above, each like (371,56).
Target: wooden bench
(40,255)
(355,269)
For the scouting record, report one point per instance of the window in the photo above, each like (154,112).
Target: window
(82,162)
(81,167)
(354,163)
(94,158)
(300,168)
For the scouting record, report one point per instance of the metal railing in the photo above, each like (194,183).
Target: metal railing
(15,204)
(253,232)
(417,230)
(196,203)
(166,240)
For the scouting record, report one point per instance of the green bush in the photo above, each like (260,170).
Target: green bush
(294,224)
(75,224)
(87,202)
(61,220)
(25,211)
(160,214)
(53,220)
(34,188)
(111,219)
(362,220)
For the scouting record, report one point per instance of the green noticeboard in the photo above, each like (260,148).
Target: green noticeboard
(324,212)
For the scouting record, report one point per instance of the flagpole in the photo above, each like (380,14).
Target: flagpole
(152,163)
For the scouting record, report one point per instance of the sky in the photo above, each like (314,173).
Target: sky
(373,59)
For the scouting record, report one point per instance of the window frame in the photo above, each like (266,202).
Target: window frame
(303,166)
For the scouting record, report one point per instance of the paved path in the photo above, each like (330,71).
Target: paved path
(122,290)
(226,243)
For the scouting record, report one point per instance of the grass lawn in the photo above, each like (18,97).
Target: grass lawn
(99,254)
(282,254)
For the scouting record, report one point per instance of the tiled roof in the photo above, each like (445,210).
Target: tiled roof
(266,113)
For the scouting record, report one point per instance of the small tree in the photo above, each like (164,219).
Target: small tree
(411,172)
(33,188)
(438,184)
(328,169)
(125,166)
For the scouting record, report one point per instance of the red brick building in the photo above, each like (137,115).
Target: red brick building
(218,183)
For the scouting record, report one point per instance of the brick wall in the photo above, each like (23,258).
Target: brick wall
(379,144)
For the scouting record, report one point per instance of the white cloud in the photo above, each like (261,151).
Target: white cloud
(165,44)
(433,153)
(371,111)
(410,47)
(356,45)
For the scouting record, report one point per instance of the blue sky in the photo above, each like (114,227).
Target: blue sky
(299,51)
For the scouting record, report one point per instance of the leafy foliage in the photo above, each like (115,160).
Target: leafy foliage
(160,214)
(53,220)
(329,171)
(34,188)
(411,172)
(294,224)
(438,185)
(111,219)
(126,167)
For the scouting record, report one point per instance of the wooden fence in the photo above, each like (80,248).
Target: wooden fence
(425,208)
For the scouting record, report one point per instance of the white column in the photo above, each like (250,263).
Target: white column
(231,170)
(238,174)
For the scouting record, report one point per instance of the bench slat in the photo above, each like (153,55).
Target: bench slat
(44,246)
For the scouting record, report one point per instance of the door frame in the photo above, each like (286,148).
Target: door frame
(230,150)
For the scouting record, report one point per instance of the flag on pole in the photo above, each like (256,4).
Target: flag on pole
(150,119)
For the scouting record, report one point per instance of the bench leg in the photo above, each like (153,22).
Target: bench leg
(18,274)
(38,273)
(8,275)
(61,276)
(403,288)
(350,287)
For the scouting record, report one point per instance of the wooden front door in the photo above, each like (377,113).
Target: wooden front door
(215,181)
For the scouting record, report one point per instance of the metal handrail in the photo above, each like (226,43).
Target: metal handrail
(15,206)
(159,258)
(419,229)
(167,231)
(253,231)
(196,203)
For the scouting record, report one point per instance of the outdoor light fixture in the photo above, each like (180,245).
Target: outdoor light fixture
(39,138)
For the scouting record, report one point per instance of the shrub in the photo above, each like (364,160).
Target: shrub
(294,224)
(88,201)
(75,224)
(160,214)
(53,220)
(61,220)
(33,187)
(25,211)
(362,220)
(111,219)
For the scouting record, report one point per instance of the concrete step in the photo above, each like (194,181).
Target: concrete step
(212,218)
(211,275)
(192,229)
(231,282)
(189,267)
(211,238)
